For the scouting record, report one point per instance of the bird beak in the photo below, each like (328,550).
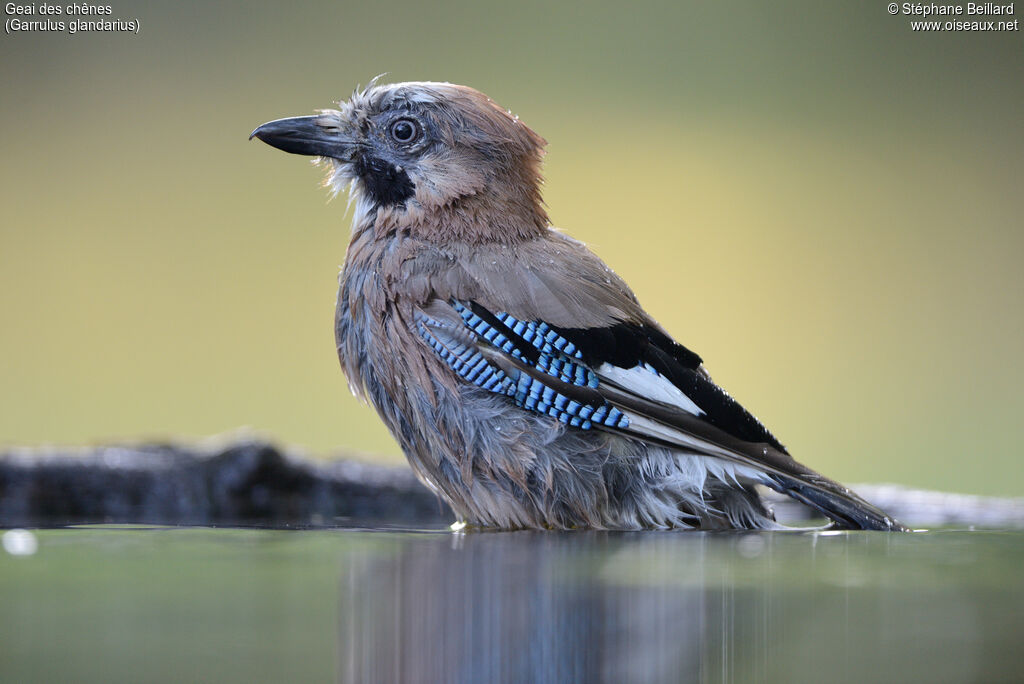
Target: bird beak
(302,135)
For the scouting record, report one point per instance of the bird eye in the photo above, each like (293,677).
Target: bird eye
(404,131)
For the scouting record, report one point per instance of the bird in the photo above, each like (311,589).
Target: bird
(520,375)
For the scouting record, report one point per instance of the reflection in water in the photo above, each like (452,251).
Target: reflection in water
(666,607)
(105,604)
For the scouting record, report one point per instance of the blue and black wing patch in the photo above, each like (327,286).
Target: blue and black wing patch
(462,355)
(528,361)
(565,372)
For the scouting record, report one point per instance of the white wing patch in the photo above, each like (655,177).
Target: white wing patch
(716,460)
(646,382)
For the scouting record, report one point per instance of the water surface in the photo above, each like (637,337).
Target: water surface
(190,604)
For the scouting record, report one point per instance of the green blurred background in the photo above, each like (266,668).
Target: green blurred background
(822,203)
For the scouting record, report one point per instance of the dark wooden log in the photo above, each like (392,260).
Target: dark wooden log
(253,483)
(249,483)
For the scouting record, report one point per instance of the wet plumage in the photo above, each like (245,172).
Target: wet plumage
(520,375)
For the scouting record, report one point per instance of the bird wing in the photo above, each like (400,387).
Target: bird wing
(625,376)
(628,377)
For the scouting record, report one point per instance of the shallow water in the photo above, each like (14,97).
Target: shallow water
(193,604)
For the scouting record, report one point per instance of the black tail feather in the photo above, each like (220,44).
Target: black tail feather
(844,507)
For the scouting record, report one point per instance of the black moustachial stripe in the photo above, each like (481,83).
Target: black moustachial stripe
(628,344)
(385,183)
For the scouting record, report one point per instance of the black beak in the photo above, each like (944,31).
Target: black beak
(301,135)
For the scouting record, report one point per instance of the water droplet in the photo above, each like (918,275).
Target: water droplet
(18,542)
(750,546)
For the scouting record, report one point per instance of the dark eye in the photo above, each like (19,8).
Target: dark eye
(404,131)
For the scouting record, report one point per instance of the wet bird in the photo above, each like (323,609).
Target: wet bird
(520,375)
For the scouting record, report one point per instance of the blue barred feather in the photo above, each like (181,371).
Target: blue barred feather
(558,357)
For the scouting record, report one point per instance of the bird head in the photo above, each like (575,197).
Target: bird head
(425,157)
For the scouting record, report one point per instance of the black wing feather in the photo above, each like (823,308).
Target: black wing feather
(628,344)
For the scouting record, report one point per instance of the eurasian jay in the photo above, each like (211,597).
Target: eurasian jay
(520,375)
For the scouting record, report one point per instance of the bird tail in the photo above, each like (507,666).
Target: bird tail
(848,510)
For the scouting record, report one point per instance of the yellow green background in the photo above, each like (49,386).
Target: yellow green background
(821,202)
